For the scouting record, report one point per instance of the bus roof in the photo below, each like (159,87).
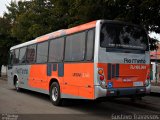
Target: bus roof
(58,33)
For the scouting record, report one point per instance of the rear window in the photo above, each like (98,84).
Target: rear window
(123,36)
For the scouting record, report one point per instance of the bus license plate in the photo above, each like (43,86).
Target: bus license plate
(137,83)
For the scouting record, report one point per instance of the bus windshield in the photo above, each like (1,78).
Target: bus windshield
(114,35)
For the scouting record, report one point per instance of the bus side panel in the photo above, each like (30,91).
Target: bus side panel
(21,72)
(79,80)
(38,76)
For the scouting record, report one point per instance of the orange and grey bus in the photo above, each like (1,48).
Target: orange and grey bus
(95,60)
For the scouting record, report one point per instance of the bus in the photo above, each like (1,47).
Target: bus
(99,59)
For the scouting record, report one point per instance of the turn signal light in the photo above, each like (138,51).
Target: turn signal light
(101,77)
(100,71)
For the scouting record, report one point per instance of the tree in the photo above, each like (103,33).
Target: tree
(30,19)
(3,40)
(141,12)
(6,41)
(33,18)
(154,42)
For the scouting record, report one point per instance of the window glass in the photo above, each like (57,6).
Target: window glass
(42,52)
(31,54)
(56,50)
(16,56)
(75,47)
(10,60)
(90,45)
(22,55)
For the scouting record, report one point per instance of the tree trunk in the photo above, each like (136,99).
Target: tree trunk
(0,70)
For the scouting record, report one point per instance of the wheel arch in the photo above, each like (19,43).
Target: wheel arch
(53,80)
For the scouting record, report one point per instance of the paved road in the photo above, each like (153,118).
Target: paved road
(26,103)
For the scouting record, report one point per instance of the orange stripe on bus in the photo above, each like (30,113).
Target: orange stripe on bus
(43,38)
(57,34)
(81,27)
(67,31)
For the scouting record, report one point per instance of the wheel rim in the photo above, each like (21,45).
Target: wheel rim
(54,93)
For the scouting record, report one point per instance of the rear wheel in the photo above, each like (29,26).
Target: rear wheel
(55,95)
(16,84)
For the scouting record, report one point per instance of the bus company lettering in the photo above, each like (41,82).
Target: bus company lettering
(127,60)
(22,71)
(83,75)
(138,67)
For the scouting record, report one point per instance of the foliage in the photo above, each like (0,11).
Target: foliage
(6,41)
(36,17)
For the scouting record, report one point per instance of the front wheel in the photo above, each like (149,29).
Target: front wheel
(55,95)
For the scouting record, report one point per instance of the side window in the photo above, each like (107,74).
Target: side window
(22,55)
(31,54)
(16,56)
(42,52)
(56,50)
(75,47)
(90,44)
(10,59)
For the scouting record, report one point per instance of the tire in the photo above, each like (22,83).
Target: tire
(55,95)
(17,84)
